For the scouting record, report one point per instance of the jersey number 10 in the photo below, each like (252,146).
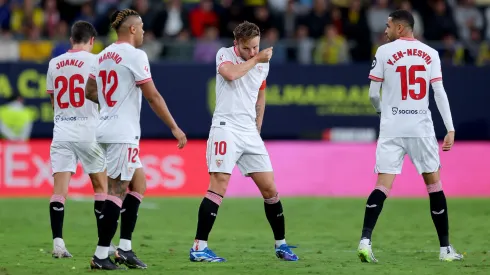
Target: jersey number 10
(412,80)
(109,78)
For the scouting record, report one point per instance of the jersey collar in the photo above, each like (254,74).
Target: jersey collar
(407,38)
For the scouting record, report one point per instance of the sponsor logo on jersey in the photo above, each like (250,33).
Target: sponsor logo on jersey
(109,117)
(59,118)
(396,111)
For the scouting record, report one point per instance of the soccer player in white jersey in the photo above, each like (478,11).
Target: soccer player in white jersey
(234,138)
(75,121)
(403,70)
(120,75)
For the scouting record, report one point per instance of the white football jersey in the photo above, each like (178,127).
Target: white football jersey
(119,70)
(406,67)
(235,100)
(75,118)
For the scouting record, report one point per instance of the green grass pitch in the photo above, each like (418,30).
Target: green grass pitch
(325,230)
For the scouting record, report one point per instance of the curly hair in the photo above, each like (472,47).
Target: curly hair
(118,17)
(246,31)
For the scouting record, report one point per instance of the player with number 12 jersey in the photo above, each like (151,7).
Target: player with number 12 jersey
(75,122)
(118,80)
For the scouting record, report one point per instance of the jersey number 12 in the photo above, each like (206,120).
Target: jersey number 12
(109,77)
(409,78)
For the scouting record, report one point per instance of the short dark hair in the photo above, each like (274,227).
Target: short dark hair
(82,31)
(246,31)
(119,16)
(403,15)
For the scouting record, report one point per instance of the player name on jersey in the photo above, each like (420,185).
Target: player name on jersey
(112,56)
(69,62)
(410,52)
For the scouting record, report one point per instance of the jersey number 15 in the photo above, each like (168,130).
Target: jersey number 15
(411,80)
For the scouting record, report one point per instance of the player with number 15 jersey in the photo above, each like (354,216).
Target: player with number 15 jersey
(403,69)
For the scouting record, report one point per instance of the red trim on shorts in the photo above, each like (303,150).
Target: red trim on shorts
(262,87)
(143,81)
(49,91)
(435,79)
(91,76)
(374,78)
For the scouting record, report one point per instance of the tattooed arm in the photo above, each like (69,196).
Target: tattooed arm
(259,109)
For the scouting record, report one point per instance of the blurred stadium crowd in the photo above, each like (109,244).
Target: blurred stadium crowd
(301,31)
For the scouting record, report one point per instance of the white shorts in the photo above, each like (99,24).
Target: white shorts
(122,160)
(66,154)
(423,152)
(226,148)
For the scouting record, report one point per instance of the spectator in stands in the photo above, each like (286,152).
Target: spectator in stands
(4,15)
(180,49)
(306,44)
(143,9)
(51,18)
(62,45)
(271,39)
(332,48)
(25,14)
(337,20)
(15,120)
(263,18)
(207,46)
(356,29)
(452,53)
(34,48)
(317,19)
(289,20)
(440,24)
(87,13)
(377,15)
(467,17)
(231,15)
(202,16)
(172,21)
(418,30)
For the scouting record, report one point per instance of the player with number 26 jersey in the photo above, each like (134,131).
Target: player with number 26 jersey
(75,123)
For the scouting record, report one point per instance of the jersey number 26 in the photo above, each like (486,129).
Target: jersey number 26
(412,80)
(75,90)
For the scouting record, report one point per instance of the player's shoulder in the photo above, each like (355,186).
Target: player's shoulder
(428,49)
(383,49)
(224,51)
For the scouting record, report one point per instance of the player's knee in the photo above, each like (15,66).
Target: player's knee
(219,182)
(269,191)
(138,183)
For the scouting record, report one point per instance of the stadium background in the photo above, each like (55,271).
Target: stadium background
(319,127)
(318,116)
